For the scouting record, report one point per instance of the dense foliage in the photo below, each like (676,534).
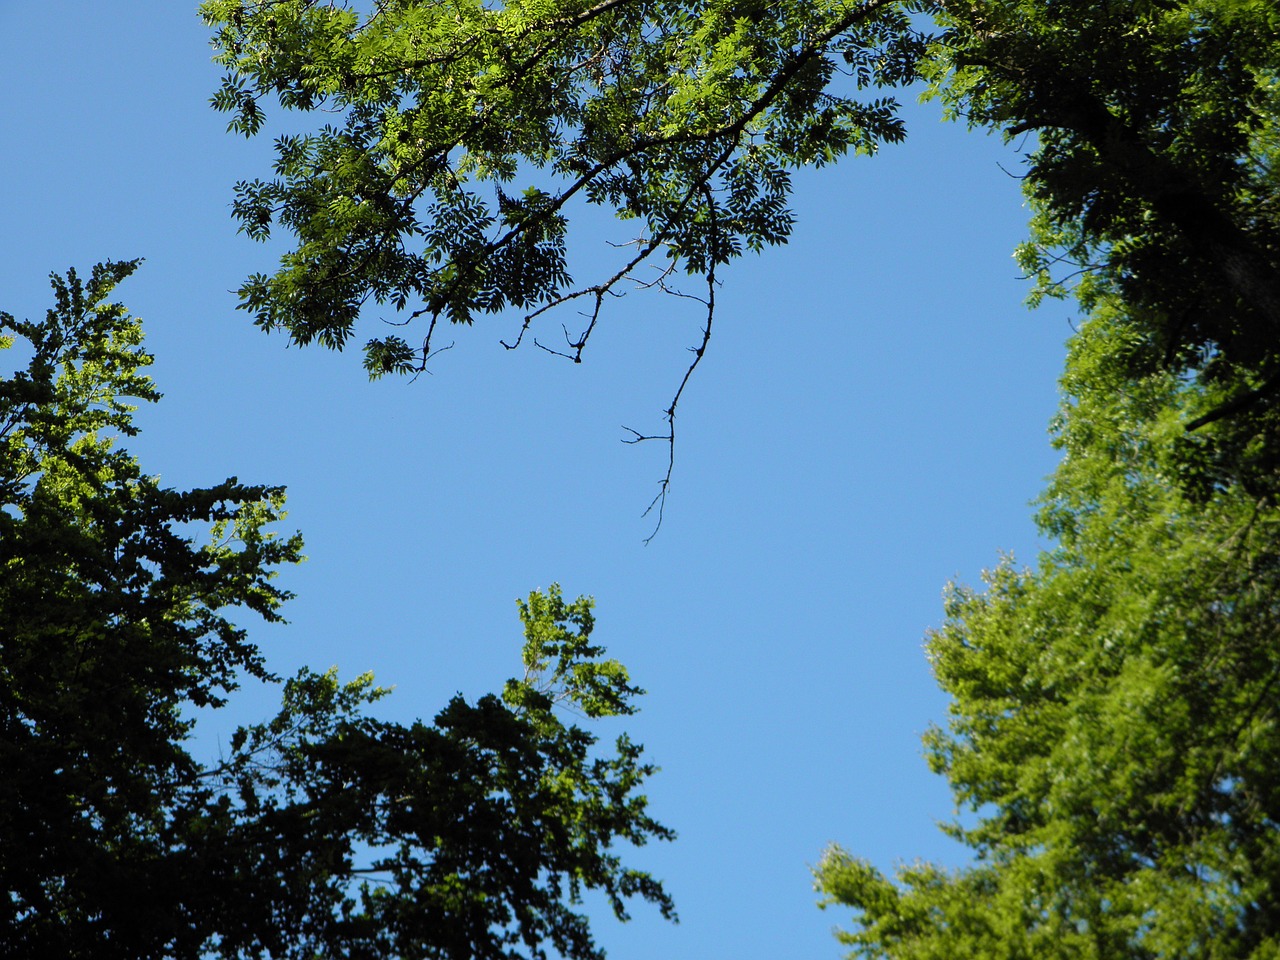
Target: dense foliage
(1153,177)
(1154,158)
(1114,738)
(1114,731)
(465,131)
(323,831)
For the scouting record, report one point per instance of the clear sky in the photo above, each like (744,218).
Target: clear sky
(870,422)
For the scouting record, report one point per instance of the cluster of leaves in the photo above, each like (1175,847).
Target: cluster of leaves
(1153,180)
(1114,728)
(324,831)
(684,115)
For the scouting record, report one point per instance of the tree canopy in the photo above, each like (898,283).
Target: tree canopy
(1153,181)
(1113,735)
(464,132)
(1153,166)
(320,831)
(1114,738)
(464,139)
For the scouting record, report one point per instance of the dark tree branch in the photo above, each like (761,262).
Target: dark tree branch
(660,500)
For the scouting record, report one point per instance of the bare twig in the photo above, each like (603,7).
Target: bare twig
(660,500)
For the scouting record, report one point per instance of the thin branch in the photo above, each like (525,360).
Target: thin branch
(1237,403)
(660,500)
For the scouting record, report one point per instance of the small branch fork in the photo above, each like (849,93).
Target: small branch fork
(427,352)
(598,292)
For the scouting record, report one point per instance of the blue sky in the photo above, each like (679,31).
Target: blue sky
(870,422)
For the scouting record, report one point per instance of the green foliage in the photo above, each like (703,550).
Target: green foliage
(323,831)
(562,666)
(1153,182)
(682,116)
(466,134)
(1114,741)
(1114,732)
